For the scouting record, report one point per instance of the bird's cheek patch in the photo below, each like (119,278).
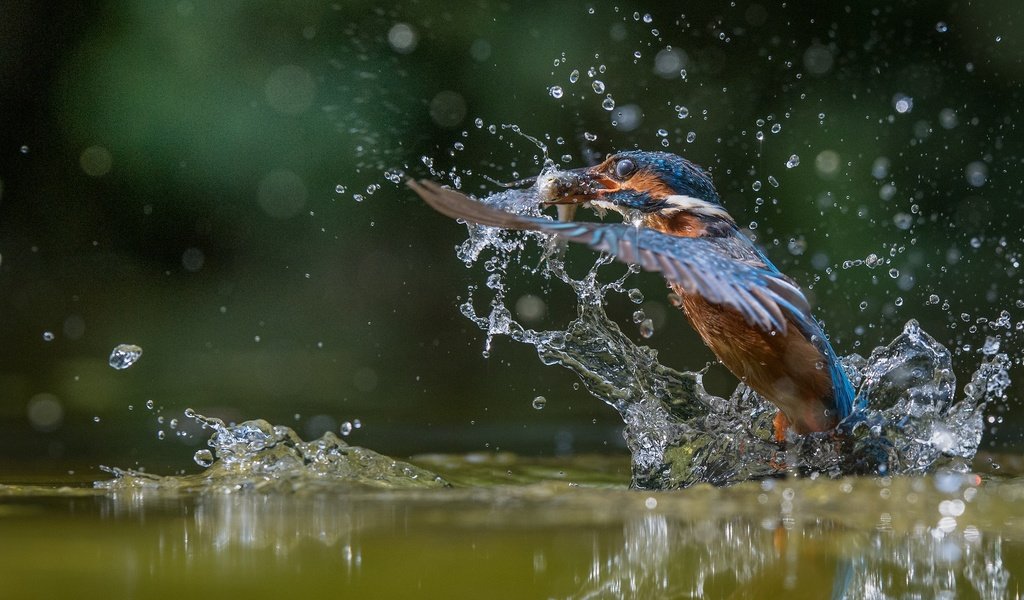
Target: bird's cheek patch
(649,183)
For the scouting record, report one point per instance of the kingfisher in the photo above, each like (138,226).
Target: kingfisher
(755,319)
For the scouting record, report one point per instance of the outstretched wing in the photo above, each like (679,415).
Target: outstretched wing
(698,265)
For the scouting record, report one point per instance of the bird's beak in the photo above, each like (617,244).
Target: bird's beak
(577,186)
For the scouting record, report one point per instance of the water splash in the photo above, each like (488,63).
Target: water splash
(124,356)
(680,435)
(255,455)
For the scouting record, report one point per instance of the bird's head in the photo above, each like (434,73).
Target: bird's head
(660,186)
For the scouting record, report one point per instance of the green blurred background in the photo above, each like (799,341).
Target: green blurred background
(216,183)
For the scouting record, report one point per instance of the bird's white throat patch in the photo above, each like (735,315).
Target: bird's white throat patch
(680,203)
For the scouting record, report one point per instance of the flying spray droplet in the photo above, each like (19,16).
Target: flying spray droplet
(124,356)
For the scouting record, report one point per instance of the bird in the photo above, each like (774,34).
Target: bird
(755,319)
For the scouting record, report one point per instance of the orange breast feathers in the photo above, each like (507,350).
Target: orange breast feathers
(681,224)
(784,368)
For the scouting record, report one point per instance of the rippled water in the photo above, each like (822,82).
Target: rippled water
(910,418)
(270,518)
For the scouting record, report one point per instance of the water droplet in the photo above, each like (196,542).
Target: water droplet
(24,149)
(894,273)
(540,402)
(941,27)
(880,168)
(203,458)
(160,434)
(590,137)
(555,91)
(976,173)
(863,304)
(774,182)
(760,136)
(124,356)
(608,104)
(793,161)
(150,404)
(903,220)
(574,76)
(991,346)
(776,127)
(635,296)
(646,328)
(947,118)
(902,103)
(598,86)
(345,428)
(756,186)
(48,336)
(690,137)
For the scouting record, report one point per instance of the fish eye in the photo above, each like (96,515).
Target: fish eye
(624,168)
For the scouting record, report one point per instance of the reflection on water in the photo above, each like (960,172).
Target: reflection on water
(948,535)
(909,419)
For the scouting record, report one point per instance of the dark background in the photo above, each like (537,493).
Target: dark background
(184,176)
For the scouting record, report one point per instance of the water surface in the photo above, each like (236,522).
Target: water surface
(510,527)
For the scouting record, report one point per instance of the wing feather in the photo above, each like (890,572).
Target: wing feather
(699,265)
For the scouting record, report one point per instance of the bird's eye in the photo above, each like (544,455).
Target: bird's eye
(624,168)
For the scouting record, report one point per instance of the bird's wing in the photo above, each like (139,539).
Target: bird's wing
(699,265)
